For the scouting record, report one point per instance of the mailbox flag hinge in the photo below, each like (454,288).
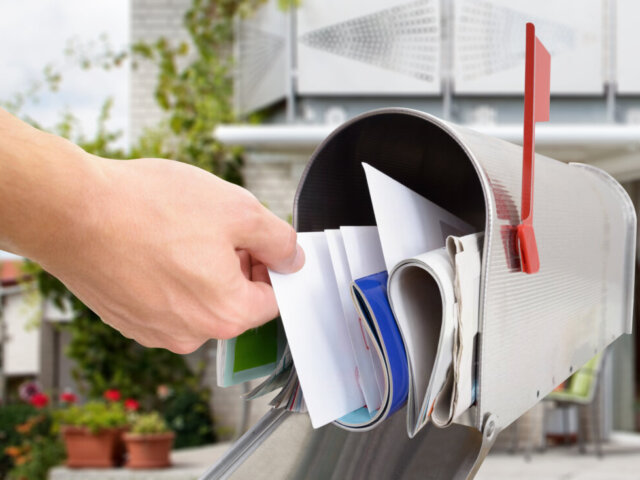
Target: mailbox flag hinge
(536,109)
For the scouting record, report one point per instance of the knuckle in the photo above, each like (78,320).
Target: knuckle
(254,212)
(229,331)
(246,215)
(292,241)
(239,320)
(184,347)
(233,319)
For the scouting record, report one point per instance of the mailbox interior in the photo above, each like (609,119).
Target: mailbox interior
(401,143)
(419,154)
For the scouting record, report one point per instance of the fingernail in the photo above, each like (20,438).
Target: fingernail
(299,260)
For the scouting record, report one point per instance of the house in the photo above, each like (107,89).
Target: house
(32,346)
(322,63)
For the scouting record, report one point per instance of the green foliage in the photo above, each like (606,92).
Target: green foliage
(187,413)
(10,417)
(44,454)
(15,104)
(94,415)
(148,424)
(194,88)
(106,359)
(102,142)
(35,447)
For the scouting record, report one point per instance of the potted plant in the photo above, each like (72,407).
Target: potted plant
(148,442)
(92,433)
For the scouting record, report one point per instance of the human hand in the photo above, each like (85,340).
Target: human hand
(166,253)
(171,255)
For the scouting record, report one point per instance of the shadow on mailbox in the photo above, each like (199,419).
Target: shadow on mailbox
(534,330)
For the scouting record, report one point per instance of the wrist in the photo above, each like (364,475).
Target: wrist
(45,182)
(77,189)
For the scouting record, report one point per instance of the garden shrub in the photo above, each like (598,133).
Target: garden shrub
(10,417)
(187,413)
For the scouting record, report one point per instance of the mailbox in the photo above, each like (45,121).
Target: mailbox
(534,329)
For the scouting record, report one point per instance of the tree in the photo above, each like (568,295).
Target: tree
(196,98)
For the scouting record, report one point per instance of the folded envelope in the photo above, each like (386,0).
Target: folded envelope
(460,391)
(434,297)
(422,296)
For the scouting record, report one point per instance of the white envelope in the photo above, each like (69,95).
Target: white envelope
(408,223)
(366,371)
(364,255)
(318,338)
(364,251)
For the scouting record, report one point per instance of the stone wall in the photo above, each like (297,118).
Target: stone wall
(272,178)
(150,20)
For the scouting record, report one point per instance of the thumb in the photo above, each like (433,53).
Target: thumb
(272,241)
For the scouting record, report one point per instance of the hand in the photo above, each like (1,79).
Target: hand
(171,255)
(166,253)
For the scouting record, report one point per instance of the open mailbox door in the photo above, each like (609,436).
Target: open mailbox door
(535,330)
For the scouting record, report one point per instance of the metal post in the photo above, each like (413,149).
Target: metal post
(611,86)
(446,57)
(245,413)
(292,72)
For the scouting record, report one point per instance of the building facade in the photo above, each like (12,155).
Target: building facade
(462,60)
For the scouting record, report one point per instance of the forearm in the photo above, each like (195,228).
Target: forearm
(44,184)
(165,252)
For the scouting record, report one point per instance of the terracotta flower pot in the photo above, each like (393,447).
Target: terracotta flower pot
(92,450)
(148,450)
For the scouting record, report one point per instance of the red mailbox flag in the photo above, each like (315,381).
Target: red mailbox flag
(536,109)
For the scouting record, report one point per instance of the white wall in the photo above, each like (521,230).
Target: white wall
(21,315)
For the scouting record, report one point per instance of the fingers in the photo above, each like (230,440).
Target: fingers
(259,304)
(270,240)
(245,263)
(252,269)
(259,273)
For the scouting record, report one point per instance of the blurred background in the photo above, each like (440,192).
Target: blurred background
(247,89)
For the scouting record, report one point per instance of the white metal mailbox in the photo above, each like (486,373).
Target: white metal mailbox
(534,330)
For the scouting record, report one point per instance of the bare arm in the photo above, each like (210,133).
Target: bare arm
(167,253)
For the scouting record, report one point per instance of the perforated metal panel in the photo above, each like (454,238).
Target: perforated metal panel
(376,46)
(489,44)
(261,71)
(626,46)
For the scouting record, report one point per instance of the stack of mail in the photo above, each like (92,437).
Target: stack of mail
(379,316)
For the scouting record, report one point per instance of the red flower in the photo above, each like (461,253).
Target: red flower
(39,400)
(68,397)
(131,404)
(112,395)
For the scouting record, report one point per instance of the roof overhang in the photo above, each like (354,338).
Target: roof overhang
(614,148)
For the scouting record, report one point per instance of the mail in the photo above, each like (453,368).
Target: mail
(381,316)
